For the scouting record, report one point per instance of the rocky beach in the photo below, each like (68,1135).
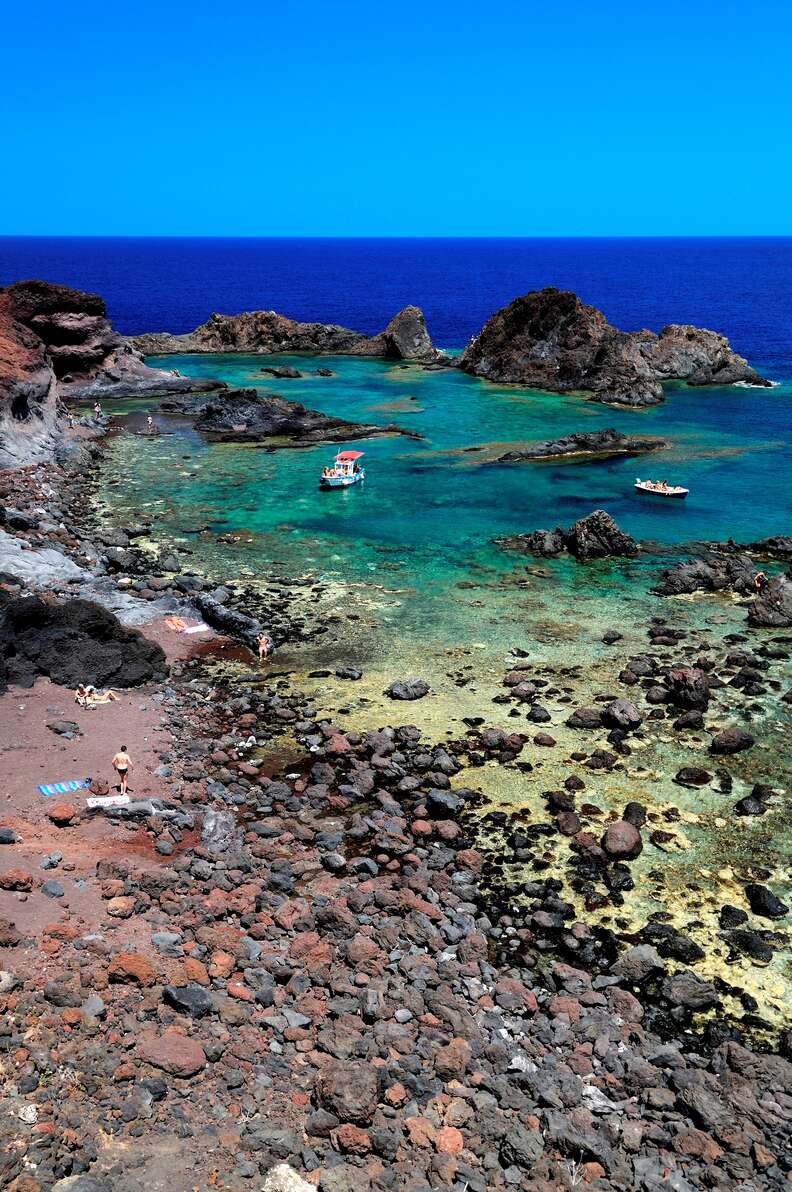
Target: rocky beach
(481,881)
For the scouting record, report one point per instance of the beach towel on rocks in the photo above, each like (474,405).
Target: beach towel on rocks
(63,788)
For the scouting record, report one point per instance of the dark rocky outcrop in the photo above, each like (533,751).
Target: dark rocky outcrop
(728,570)
(602,444)
(549,339)
(772,608)
(713,572)
(593,537)
(268,333)
(56,344)
(241,415)
(74,641)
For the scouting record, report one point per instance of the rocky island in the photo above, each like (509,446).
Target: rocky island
(268,333)
(244,415)
(549,339)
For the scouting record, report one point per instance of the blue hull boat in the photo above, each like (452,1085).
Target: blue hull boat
(344,472)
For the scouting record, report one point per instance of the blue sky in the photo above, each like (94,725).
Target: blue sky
(317,118)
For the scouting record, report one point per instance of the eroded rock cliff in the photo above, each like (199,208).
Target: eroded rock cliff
(56,345)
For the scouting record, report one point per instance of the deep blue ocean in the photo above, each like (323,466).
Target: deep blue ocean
(741,287)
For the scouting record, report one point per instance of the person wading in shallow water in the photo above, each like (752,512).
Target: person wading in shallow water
(122,764)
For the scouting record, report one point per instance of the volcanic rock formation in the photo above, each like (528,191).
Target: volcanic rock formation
(56,343)
(241,415)
(73,642)
(603,444)
(268,333)
(549,339)
(596,536)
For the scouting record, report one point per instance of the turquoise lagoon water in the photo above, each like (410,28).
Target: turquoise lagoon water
(408,580)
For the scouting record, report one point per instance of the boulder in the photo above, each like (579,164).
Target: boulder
(623,714)
(172,1052)
(688,688)
(731,740)
(772,608)
(637,963)
(349,1089)
(408,689)
(688,990)
(764,902)
(598,537)
(622,841)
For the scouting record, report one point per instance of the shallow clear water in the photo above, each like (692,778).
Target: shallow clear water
(410,582)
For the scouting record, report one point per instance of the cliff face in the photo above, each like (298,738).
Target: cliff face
(56,343)
(267,333)
(549,339)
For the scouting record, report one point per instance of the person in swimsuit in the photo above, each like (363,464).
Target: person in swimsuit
(761,581)
(122,764)
(265,646)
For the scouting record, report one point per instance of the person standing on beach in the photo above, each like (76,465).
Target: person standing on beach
(122,764)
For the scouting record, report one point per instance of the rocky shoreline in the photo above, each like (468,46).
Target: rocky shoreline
(325,961)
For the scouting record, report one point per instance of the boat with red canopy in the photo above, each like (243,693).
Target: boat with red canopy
(344,471)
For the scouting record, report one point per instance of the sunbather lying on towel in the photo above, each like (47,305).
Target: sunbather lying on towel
(88,697)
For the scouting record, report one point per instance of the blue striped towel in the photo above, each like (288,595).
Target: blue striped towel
(63,788)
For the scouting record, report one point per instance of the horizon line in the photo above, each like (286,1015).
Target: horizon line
(395,238)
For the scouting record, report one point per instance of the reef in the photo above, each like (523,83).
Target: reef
(600,444)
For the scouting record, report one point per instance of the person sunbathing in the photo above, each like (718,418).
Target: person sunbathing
(88,697)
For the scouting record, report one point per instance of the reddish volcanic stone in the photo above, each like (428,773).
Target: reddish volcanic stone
(62,814)
(132,967)
(172,1053)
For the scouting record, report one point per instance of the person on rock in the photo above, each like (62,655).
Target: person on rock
(265,646)
(98,409)
(150,424)
(122,764)
(761,581)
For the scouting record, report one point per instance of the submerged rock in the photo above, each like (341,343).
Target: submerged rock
(549,339)
(604,444)
(731,740)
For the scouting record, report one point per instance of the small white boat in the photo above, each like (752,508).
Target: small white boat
(345,471)
(659,488)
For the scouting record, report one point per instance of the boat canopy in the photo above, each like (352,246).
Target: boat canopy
(349,455)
